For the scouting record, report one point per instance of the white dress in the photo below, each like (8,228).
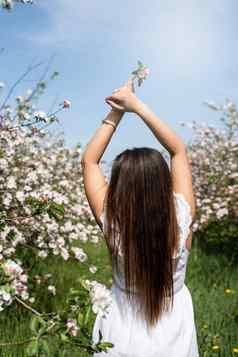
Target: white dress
(175,333)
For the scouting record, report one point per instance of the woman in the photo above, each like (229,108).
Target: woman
(146,212)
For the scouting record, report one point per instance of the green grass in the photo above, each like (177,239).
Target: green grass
(208,276)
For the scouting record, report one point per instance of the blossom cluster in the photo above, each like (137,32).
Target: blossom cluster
(141,73)
(15,285)
(73,327)
(101,296)
(9,4)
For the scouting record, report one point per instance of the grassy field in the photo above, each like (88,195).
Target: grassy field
(210,277)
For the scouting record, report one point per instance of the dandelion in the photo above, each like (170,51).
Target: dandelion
(235,350)
(229,291)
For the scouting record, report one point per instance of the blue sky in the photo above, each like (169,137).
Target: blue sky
(190,46)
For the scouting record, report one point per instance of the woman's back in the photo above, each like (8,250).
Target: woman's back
(175,332)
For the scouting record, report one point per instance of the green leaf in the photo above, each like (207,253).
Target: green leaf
(32,349)
(45,347)
(80,318)
(105,345)
(211,179)
(35,324)
(64,337)
(42,330)
(87,314)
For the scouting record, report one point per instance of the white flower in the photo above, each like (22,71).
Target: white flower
(7,200)
(5,296)
(23,278)
(60,242)
(11,182)
(79,254)
(100,296)
(20,196)
(32,176)
(3,164)
(93,269)
(12,268)
(64,254)
(234,175)
(68,227)
(26,116)
(52,289)
(222,212)
(42,254)
(19,99)
(29,92)
(94,239)
(24,295)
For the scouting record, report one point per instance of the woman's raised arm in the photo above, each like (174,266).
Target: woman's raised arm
(166,136)
(180,168)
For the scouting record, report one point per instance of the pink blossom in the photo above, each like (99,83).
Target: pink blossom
(66,103)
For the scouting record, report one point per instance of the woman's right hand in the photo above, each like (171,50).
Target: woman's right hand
(124,99)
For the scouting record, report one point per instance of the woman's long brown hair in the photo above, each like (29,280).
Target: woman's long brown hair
(140,203)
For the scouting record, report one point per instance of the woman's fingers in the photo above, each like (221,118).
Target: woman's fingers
(114,97)
(114,105)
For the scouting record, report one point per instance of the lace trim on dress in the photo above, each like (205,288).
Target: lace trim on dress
(184,217)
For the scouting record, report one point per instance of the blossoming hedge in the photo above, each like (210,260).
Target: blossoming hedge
(213,154)
(44,213)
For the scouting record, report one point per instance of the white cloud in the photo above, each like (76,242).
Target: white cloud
(73,21)
(184,35)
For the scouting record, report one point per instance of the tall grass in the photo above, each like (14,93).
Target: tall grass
(211,278)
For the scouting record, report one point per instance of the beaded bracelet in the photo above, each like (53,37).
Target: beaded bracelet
(109,122)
